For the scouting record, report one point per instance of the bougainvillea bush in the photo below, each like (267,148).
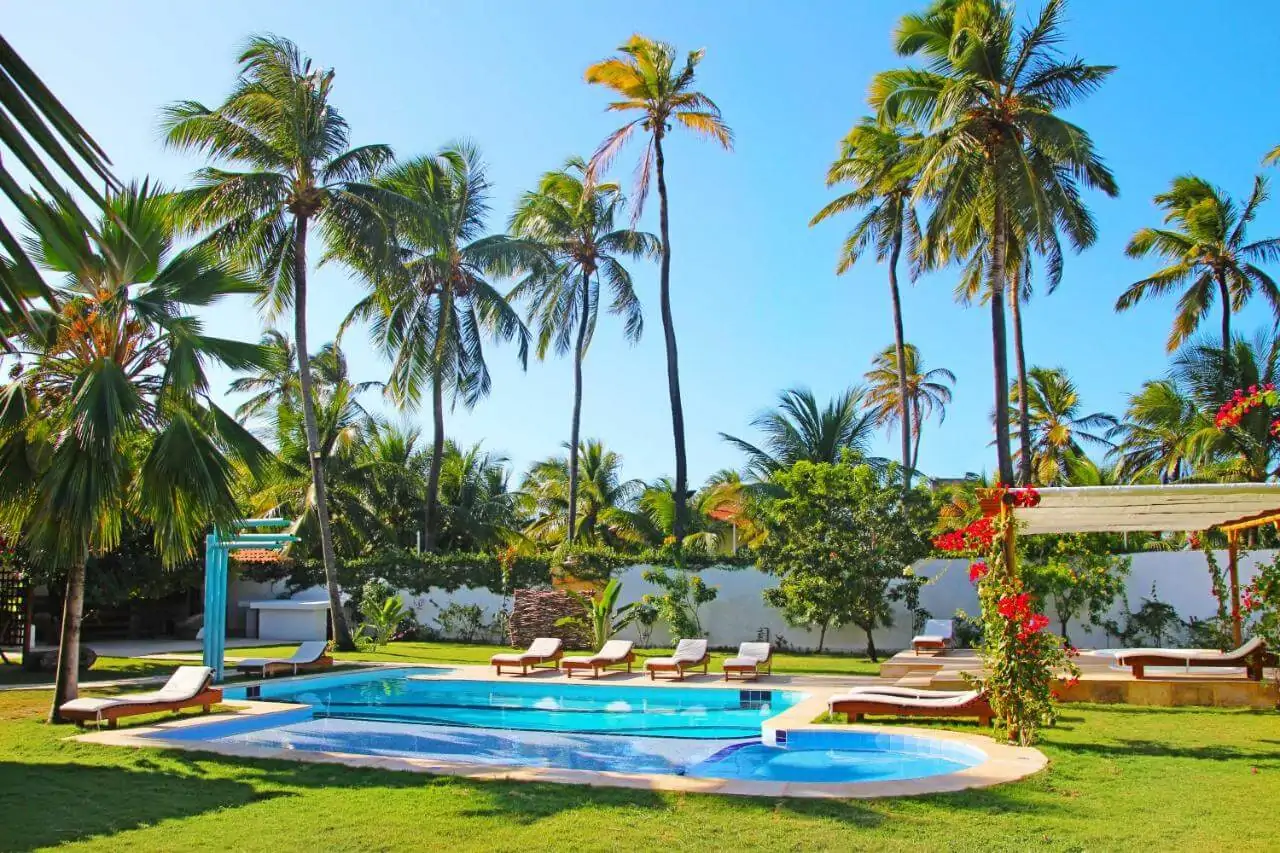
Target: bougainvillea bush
(1022,662)
(1260,599)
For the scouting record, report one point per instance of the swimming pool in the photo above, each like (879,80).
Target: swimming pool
(411,696)
(711,733)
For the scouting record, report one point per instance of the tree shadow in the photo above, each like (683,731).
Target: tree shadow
(43,805)
(1161,749)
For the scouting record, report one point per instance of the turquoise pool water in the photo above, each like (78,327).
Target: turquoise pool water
(531,705)
(711,733)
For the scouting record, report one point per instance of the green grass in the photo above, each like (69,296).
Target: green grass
(1121,778)
(104,669)
(464,653)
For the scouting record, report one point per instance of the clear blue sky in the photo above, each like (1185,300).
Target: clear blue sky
(757,304)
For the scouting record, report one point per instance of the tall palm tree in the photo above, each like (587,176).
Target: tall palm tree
(107,413)
(431,308)
(1207,254)
(573,219)
(1154,440)
(928,392)
(280,128)
(38,132)
(1058,426)
(647,80)
(607,511)
(800,429)
(273,388)
(879,162)
(996,151)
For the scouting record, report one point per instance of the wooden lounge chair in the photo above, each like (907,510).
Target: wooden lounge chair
(689,654)
(543,650)
(900,702)
(313,654)
(751,659)
(1253,657)
(612,653)
(938,636)
(188,687)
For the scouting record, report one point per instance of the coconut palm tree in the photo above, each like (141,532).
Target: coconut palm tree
(800,429)
(996,151)
(647,80)
(431,309)
(1154,440)
(878,161)
(106,414)
(1209,258)
(37,132)
(574,221)
(607,512)
(478,510)
(1058,427)
(928,392)
(278,127)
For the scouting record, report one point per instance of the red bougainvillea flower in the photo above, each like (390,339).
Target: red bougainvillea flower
(1073,652)
(978,537)
(1015,607)
(977,571)
(1241,403)
(1072,681)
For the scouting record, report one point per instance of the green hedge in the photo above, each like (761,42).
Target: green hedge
(419,572)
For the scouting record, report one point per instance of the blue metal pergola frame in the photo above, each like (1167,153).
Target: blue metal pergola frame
(217,550)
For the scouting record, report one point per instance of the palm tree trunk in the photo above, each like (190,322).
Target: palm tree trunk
(917,424)
(899,346)
(999,344)
(669,335)
(1226,314)
(578,354)
(66,685)
(437,459)
(337,618)
(1020,363)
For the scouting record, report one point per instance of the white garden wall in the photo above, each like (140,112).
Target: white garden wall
(739,612)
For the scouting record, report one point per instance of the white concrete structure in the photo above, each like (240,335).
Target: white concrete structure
(290,619)
(1181,578)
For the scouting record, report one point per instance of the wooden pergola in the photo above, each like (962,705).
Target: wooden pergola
(1196,507)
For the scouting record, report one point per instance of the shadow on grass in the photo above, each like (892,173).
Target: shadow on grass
(47,804)
(1161,749)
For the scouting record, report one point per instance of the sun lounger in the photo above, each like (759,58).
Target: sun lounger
(1252,656)
(612,653)
(689,654)
(310,655)
(543,650)
(967,703)
(751,659)
(938,636)
(188,687)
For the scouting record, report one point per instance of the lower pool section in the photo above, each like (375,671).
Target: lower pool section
(809,756)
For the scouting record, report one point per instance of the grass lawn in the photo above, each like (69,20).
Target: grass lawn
(104,669)
(1121,778)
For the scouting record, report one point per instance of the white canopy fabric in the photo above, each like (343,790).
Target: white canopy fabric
(1117,509)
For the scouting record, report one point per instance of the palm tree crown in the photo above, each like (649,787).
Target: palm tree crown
(801,429)
(1058,427)
(1208,255)
(928,392)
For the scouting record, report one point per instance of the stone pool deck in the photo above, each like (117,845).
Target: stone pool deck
(1003,763)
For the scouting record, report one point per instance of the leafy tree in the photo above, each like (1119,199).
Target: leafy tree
(800,430)
(997,156)
(601,616)
(1205,245)
(1076,574)
(280,127)
(647,80)
(106,418)
(1155,622)
(1058,427)
(928,392)
(431,308)
(879,162)
(683,595)
(573,220)
(840,539)
(37,131)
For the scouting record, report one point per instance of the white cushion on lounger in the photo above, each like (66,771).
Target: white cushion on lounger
(186,682)
(542,647)
(309,652)
(687,652)
(953,700)
(613,650)
(1196,654)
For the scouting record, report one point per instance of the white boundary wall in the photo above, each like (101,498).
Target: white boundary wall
(739,612)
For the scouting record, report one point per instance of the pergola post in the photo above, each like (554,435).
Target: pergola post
(1233,572)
